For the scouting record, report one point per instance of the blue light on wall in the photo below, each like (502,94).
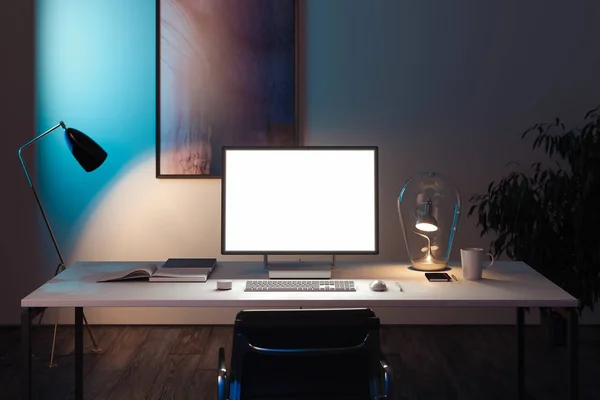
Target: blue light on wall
(95,70)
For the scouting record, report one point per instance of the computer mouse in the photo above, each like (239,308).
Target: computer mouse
(378,285)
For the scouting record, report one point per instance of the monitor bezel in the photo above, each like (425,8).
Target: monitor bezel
(224,150)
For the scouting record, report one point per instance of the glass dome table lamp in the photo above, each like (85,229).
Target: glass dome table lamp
(429,211)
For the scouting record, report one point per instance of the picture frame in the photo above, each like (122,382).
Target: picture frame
(226,75)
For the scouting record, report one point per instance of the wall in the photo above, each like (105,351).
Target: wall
(19,242)
(445,86)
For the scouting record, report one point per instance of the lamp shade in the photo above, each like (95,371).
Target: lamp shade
(88,153)
(427,224)
(425,221)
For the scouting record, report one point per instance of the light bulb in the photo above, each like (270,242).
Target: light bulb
(426,227)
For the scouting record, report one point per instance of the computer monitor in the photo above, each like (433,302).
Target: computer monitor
(300,200)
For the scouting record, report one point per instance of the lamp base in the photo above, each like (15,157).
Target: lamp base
(429,264)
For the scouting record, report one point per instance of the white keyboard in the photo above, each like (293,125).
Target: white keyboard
(307,285)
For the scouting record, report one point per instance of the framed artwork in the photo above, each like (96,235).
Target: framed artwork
(226,76)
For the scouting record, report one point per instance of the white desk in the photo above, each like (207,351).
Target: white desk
(506,284)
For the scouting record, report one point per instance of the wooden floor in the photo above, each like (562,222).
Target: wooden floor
(179,362)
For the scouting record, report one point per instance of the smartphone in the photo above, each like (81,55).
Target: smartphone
(438,277)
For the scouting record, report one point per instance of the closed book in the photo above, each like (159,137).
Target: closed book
(188,278)
(189,264)
(438,277)
(184,270)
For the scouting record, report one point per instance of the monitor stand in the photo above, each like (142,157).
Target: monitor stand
(299,269)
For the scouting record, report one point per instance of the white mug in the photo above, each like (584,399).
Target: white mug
(472,262)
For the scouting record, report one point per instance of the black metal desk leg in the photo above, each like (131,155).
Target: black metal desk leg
(26,347)
(79,353)
(573,353)
(521,353)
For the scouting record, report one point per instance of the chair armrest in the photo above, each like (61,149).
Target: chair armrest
(387,378)
(223,377)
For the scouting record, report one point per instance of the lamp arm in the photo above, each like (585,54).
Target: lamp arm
(32,141)
(37,199)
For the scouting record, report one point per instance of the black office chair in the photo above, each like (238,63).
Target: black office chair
(297,354)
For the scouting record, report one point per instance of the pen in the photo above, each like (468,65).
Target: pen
(399,287)
(454,278)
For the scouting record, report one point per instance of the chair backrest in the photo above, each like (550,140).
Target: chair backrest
(324,353)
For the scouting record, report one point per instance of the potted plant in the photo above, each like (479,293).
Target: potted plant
(549,216)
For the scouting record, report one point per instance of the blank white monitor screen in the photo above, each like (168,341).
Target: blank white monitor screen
(300,200)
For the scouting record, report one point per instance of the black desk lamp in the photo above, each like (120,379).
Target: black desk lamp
(90,156)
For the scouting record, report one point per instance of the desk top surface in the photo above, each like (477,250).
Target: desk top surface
(506,284)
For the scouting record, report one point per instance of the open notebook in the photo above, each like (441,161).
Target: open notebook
(174,270)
